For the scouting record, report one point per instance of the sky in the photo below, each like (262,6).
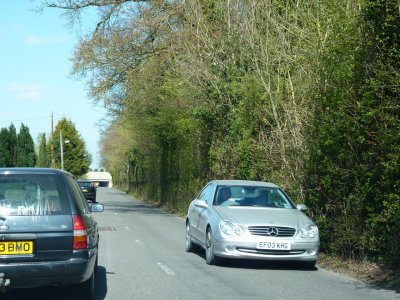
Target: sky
(35,75)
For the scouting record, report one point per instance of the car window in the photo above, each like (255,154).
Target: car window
(207,193)
(31,195)
(260,196)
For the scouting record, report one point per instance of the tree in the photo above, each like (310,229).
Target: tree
(354,144)
(42,158)
(12,145)
(8,146)
(25,148)
(377,114)
(301,93)
(76,159)
(5,157)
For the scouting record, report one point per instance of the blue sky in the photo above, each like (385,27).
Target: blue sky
(35,80)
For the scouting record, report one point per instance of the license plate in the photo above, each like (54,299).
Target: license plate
(274,245)
(16,248)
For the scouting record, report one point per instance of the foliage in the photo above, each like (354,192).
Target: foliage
(16,150)
(301,93)
(5,156)
(354,154)
(12,145)
(25,148)
(76,159)
(42,157)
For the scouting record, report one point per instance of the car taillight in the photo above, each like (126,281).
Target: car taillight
(80,235)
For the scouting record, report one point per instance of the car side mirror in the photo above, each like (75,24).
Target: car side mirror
(301,207)
(201,203)
(96,207)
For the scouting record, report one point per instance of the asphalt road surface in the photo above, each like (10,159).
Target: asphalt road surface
(142,256)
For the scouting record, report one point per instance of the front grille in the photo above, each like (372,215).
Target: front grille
(263,231)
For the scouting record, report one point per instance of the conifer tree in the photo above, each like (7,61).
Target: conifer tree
(5,157)
(42,159)
(25,148)
(76,159)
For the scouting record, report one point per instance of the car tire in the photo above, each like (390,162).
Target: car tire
(309,265)
(190,246)
(211,258)
(87,289)
(96,263)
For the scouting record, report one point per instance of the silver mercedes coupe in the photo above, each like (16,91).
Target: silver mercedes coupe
(250,220)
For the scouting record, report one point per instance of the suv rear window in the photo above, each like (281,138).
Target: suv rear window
(85,183)
(32,195)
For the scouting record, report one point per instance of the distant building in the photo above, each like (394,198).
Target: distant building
(103,179)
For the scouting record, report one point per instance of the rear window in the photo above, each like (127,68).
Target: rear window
(32,195)
(85,183)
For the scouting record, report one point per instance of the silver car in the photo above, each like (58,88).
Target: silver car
(251,220)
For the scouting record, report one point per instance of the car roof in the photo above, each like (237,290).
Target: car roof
(244,182)
(18,170)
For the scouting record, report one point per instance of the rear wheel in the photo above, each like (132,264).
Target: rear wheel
(87,289)
(211,258)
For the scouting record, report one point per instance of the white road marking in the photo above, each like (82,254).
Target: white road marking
(139,242)
(166,269)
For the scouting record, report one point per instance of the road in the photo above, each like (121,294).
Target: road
(142,256)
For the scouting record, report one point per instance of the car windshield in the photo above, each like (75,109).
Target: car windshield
(29,196)
(260,196)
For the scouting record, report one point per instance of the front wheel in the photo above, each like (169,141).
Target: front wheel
(211,258)
(309,265)
(190,246)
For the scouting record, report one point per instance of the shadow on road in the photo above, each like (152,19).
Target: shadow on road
(101,283)
(59,293)
(257,264)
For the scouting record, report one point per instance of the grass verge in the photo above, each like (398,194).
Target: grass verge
(370,273)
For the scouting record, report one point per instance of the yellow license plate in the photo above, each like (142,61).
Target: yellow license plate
(16,248)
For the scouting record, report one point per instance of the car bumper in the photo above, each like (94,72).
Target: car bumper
(236,248)
(35,274)
(90,196)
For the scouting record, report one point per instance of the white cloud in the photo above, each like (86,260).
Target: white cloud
(41,40)
(27,92)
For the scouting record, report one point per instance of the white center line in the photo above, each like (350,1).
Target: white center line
(139,242)
(166,269)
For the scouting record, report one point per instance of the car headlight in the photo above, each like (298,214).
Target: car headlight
(311,231)
(231,229)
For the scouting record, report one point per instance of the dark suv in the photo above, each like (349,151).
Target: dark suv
(88,189)
(48,235)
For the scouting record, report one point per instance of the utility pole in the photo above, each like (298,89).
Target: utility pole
(53,162)
(62,150)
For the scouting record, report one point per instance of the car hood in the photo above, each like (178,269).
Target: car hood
(250,216)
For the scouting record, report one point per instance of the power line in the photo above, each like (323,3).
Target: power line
(22,120)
